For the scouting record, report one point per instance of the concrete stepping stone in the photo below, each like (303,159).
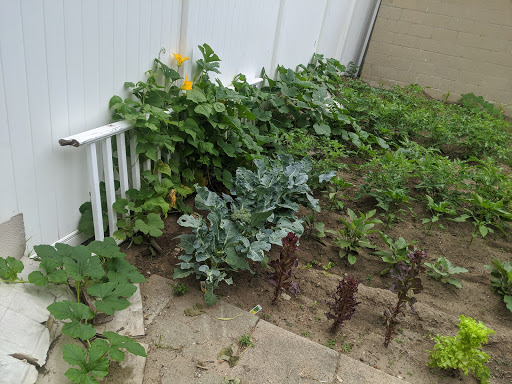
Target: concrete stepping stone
(279,356)
(15,371)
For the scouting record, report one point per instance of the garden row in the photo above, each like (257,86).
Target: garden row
(241,150)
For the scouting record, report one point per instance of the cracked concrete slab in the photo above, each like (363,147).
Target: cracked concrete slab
(15,371)
(23,336)
(153,296)
(279,356)
(128,322)
(355,371)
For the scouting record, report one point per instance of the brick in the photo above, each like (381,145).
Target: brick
(413,16)
(441,34)
(383,36)
(441,94)
(420,5)
(498,83)
(420,30)
(484,42)
(398,63)
(492,16)
(438,21)
(447,73)
(390,12)
(439,59)
(392,73)
(411,41)
(428,81)
(422,67)
(397,26)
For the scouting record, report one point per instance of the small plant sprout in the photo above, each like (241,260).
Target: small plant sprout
(442,270)
(314,229)
(245,341)
(281,278)
(407,284)
(343,305)
(353,236)
(463,351)
(9,270)
(501,280)
(437,210)
(179,289)
(335,186)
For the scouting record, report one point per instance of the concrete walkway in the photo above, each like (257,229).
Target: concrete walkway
(191,343)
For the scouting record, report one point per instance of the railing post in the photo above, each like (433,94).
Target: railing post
(123,164)
(108,170)
(94,187)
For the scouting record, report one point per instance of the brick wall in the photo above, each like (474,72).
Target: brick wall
(450,46)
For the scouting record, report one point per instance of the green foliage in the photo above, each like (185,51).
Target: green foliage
(9,269)
(271,194)
(179,289)
(486,214)
(443,270)
(399,113)
(463,351)
(245,341)
(386,181)
(332,194)
(353,235)
(477,104)
(501,280)
(438,210)
(94,363)
(398,251)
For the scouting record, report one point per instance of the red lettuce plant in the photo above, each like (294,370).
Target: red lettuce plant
(344,304)
(407,283)
(282,277)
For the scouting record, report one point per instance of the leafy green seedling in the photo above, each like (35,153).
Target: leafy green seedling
(463,351)
(245,341)
(179,289)
(314,229)
(442,270)
(353,236)
(398,251)
(501,280)
(437,210)
(332,194)
(9,269)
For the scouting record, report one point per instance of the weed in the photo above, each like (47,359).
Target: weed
(245,341)
(179,289)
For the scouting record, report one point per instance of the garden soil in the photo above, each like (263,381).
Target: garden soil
(437,311)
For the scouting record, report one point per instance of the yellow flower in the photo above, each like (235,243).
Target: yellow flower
(180,59)
(187,85)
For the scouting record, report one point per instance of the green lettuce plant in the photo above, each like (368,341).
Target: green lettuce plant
(464,350)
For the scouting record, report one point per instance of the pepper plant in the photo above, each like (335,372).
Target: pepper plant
(501,280)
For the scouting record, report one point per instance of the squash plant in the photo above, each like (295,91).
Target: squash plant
(99,271)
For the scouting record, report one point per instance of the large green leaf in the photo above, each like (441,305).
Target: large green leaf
(121,271)
(204,109)
(111,296)
(117,342)
(196,96)
(52,273)
(81,263)
(107,248)
(76,312)
(9,268)
(96,365)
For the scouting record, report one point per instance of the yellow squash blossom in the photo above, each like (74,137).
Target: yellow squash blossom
(180,59)
(187,85)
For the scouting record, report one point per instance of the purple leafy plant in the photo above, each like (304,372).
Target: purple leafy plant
(344,304)
(281,278)
(407,283)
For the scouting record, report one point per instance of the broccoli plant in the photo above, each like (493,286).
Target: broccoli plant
(463,351)
(407,284)
(344,302)
(281,278)
(242,226)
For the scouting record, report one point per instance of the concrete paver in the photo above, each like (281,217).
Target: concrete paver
(15,371)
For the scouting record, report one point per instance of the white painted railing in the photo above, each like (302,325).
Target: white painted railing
(102,137)
(128,165)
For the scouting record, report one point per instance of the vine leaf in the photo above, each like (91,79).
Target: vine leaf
(111,296)
(107,248)
(52,273)
(121,271)
(9,268)
(117,342)
(92,366)
(152,227)
(76,312)
(80,263)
